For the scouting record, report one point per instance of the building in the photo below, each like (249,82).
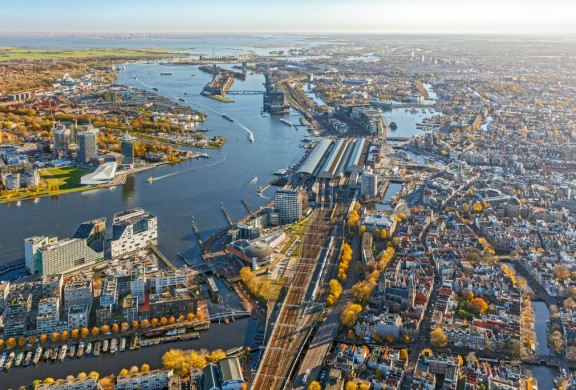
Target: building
(87,145)
(127,150)
(78,316)
(288,203)
(109,294)
(173,301)
(368,184)
(133,230)
(17,314)
(61,139)
(88,383)
(11,181)
(30,178)
(48,315)
(151,380)
(31,246)
(130,309)
(64,256)
(104,174)
(78,292)
(138,283)
(93,232)
(226,374)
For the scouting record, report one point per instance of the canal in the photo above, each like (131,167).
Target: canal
(544,374)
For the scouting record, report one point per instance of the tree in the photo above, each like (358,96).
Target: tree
(48,380)
(1,344)
(94,374)
(95,331)
(164,321)
(403,354)
(569,303)
(55,337)
(438,338)
(363,386)
(351,334)
(123,372)
(115,328)
(43,338)
(181,318)
(145,324)
(362,229)
(154,322)
(350,314)
(172,320)
(189,316)
(134,370)
(314,386)
(107,383)
(32,339)
(84,332)
(145,368)
(75,333)
(390,338)
(105,329)
(351,386)
(81,375)
(124,326)
(21,341)
(64,335)
(478,305)
(11,342)
(467,295)
(135,325)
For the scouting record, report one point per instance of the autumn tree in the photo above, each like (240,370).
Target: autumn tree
(199,316)
(145,324)
(134,370)
(65,335)
(94,374)
(314,386)
(172,320)
(215,355)
(95,331)
(350,314)
(154,322)
(1,344)
(189,317)
(43,338)
(55,337)
(105,329)
(164,321)
(403,355)
(84,332)
(438,338)
(135,325)
(11,342)
(478,305)
(145,368)
(124,326)
(351,386)
(21,341)
(468,295)
(32,339)
(123,372)
(75,333)
(81,375)
(115,328)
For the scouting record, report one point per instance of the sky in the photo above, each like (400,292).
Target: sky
(292,16)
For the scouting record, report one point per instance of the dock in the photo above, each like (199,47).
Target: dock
(185,260)
(161,257)
(273,182)
(246,206)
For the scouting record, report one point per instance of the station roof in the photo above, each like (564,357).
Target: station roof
(313,159)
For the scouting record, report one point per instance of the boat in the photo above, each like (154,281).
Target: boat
(150,180)
(192,75)
(154,333)
(227,118)
(280,172)
(80,350)
(54,354)
(122,344)
(172,332)
(19,359)
(189,336)
(114,345)
(155,89)
(105,346)
(3,358)
(232,351)
(97,346)
(8,364)
(203,130)
(63,352)
(251,137)
(204,155)
(37,356)
(226,320)
(204,326)
(182,100)
(166,73)
(47,353)
(88,349)
(286,122)
(72,351)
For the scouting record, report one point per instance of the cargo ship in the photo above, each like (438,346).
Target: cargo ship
(227,118)
(166,73)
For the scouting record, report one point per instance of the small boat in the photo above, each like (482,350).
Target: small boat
(54,354)
(122,344)
(182,100)
(166,73)
(151,179)
(63,352)
(80,350)
(8,364)
(72,351)
(97,346)
(19,358)
(88,349)
(280,172)
(37,356)
(3,358)
(204,155)
(192,75)
(203,130)
(251,137)
(155,89)
(114,345)
(226,320)
(287,123)
(105,346)
(47,353)
(227,118)
(172,332)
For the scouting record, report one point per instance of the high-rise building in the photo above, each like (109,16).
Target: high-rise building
(31,246)
(127,149)
(93,232)
(288,203)
(66,255)
(133,230)
(87,145)
(368,184)
(48,315)
(61,139)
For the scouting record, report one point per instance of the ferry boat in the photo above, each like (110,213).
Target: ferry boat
(122,344)
(80,350)
(251,137)
(286,122)
(54,354)
(166,73)
(97,348)
(280,172)
(37,356)
(227,118)
(3,358)
(105,346)
(150,180)
(88,349)
(8,364)
(62,353)
(204,155)
(114,345)
(72,351)
(19,359)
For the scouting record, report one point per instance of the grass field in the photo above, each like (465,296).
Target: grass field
(15,53)
(65,178)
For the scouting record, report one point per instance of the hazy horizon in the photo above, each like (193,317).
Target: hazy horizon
(334,17)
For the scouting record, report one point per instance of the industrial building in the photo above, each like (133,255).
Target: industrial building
(133,230)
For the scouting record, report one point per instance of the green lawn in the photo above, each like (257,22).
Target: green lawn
(65,178)
(15,53)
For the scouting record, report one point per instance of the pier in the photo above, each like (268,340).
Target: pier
(161,257)
(230,222)
(197,232)
(186,261)
(246,206)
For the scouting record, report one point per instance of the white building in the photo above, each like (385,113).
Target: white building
(368,184)
(133,230)
(104,174)
(78,316)
(31,246)
(152,380)
(65,256)
(288,203)
(48,315)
